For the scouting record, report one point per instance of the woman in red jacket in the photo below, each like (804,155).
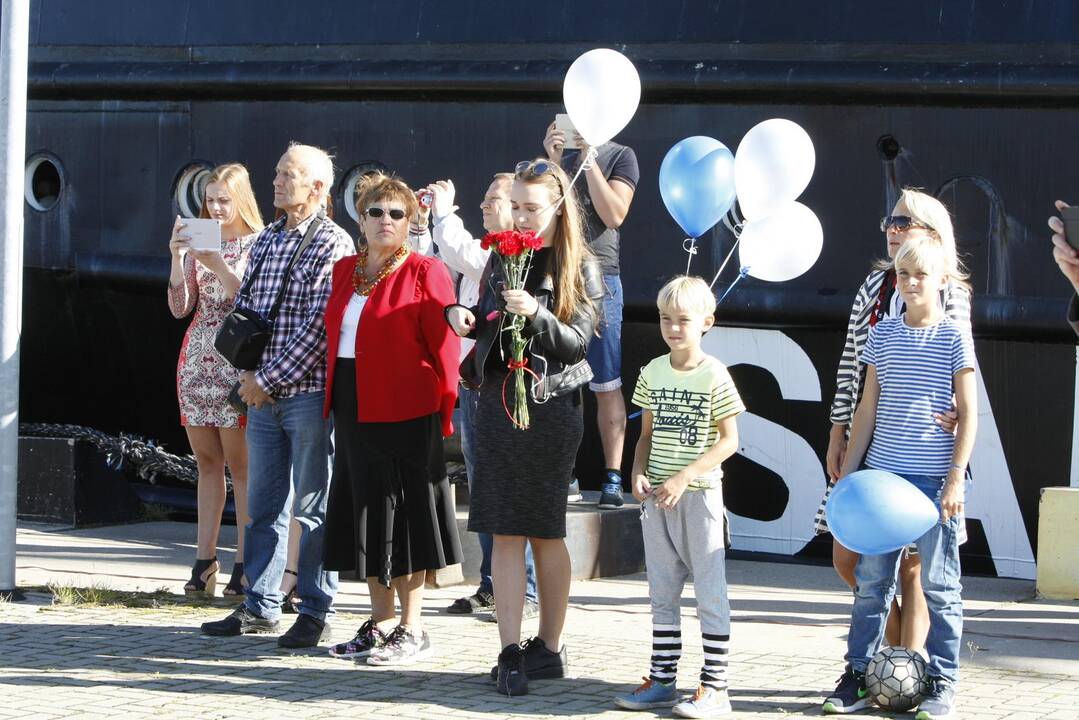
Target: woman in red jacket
(391,385)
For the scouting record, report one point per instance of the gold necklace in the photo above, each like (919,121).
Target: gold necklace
(360,284)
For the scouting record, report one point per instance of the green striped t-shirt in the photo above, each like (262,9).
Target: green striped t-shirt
(686,409)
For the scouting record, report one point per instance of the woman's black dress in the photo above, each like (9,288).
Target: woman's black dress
(520,477)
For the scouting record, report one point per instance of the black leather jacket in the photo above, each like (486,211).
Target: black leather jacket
(557,350)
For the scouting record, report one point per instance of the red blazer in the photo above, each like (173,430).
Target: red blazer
(406,354)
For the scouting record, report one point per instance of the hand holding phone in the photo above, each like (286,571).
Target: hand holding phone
(564,125)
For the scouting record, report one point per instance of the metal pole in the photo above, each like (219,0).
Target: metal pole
(14,41)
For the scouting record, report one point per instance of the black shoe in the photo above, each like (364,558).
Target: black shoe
(203,578)
(512,679)
(235,588)
(240,622)
(306,632)
(849,695)
(540,663)
(479,600)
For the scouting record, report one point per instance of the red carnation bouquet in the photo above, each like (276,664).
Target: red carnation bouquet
(514,250)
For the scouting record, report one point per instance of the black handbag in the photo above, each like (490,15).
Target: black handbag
(244,333)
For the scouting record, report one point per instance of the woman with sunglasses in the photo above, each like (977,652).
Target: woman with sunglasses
(391,385)
(915,215)
(521,477)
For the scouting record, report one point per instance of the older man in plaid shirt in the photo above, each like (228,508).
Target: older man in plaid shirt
(288,440)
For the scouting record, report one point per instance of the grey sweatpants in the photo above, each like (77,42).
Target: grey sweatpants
(688,540)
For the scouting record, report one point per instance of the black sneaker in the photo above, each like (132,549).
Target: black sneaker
(306,632)
(479,600)
(240,622)
(849,695)
(611,498)
(512,679)
(939,701)
(540,663)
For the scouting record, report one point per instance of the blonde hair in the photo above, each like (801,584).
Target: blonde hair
(925,254)
(236,179)
(687,293)
(568,248)
(377,186)
(928,211)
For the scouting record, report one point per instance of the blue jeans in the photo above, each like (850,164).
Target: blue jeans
(288,469)
(467,402)
(875,578)
(605,352)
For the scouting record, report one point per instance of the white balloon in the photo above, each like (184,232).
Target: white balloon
(772,167)
(601,92)
(783,245)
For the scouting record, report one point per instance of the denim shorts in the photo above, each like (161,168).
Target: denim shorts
(605,352)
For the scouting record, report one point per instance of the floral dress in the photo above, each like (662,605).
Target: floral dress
(203,377)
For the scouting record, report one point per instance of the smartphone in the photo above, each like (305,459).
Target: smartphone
(1070,216)
(205,233)
(563,123)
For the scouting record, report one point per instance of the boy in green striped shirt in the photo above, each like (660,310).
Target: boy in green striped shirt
(688,429)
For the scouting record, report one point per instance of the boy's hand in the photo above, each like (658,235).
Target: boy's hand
(642,487)
(951,500)
(668,494)
(837,449)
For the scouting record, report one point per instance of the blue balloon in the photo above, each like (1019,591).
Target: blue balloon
(696,181)
(873,512)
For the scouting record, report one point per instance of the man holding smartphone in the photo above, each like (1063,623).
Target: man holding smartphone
(1065,254)
(610,181)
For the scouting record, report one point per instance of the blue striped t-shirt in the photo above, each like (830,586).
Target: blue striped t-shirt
(915,368)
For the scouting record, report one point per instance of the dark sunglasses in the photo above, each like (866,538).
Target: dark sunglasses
(900,223)
(529,169)
(395,213)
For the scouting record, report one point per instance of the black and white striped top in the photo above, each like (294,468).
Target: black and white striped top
(851,373)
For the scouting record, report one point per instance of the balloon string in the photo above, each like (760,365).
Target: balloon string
(590,155)
(741,274)
(738,239)
(691,250)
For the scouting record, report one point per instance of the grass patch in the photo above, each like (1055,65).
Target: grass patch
(101,595)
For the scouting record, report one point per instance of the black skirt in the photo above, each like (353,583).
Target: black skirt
(390,510)
(520,477)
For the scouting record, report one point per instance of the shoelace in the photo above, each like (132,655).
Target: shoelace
(397,637)
(699,693)
(648,683)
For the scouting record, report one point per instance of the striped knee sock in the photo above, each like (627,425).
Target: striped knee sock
(714,672)
(666,650)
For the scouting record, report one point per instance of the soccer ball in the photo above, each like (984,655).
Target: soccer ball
(895,679)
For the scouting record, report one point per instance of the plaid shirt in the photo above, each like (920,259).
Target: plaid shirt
(295,358)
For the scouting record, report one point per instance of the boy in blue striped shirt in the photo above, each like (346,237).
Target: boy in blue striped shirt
(915,363)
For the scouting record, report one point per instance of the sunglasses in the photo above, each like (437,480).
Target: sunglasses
(377,212)
(529,169)
(900,223)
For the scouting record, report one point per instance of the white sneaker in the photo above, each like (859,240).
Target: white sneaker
(401,647)
(574,495)
(705,703)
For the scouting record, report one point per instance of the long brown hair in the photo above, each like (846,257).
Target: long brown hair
(234,177)
(568,248)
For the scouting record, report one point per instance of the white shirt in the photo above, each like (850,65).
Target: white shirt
(462,253)
(346,346)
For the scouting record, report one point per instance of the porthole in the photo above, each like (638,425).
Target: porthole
(44,182)
(190,188)
(348,185)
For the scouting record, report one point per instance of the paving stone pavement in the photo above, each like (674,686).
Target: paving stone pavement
(788,641)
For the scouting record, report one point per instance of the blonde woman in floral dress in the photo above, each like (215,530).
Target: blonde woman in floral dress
(206,282)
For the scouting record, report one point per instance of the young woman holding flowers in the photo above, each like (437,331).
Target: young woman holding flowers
(524,456)
(391,384)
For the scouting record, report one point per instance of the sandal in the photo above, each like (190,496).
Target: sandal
(203,580)
(235,587)
(291,604)
(480,600)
